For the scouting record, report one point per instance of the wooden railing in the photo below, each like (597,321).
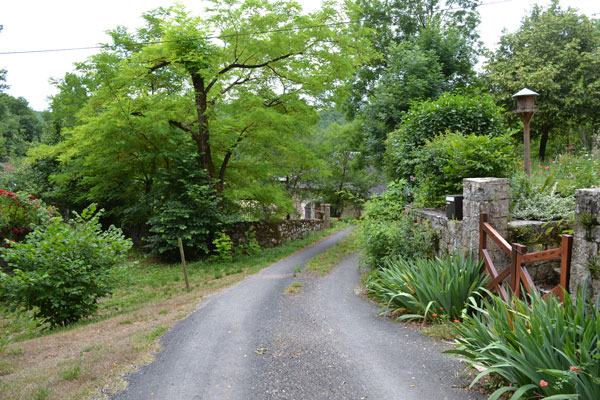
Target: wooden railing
(519,276)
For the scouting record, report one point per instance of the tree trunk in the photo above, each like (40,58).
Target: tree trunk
(543,142)
(202,135)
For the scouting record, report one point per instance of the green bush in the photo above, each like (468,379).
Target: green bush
(452,112)
(542,348)
(403,237)
(539,203)
(223,246)
(61,270)
(445,161)
(186,206)
(388,205)
(433,289)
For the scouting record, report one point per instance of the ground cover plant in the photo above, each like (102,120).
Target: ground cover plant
(437,289)
(540,347)
(123,333)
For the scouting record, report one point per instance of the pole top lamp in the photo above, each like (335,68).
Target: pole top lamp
(525,110)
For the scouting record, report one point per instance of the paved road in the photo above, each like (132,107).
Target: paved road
(252,341)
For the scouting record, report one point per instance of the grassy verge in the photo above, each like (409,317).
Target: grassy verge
(323,263)
(86,360)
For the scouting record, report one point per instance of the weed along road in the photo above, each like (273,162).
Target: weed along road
(257,340)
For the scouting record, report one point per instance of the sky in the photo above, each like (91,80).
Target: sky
(58,24)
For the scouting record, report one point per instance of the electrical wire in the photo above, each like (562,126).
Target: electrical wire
(226,36)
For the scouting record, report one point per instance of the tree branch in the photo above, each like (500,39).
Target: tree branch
(248,66)
(230,152)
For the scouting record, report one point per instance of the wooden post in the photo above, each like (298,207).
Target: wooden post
(483,217)
(517,260)
(566,250)
(187,283)
(526,143)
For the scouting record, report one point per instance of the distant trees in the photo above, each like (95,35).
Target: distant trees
(424,48)
(555,52)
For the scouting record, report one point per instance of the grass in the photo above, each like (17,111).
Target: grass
(323,263)
(295,287)
(123,333)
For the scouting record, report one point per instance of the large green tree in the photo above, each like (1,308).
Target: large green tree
(238,87)
(555,52)
(425,48)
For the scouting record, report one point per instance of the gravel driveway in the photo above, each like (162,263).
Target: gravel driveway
(252,341)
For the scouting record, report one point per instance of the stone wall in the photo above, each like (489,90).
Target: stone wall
(490,195)
(585,264)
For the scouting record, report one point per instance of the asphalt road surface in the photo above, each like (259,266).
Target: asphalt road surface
(253,341)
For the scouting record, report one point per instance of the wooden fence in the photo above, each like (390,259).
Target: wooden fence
(519,277)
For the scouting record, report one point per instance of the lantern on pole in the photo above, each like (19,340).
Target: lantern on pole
(525,110)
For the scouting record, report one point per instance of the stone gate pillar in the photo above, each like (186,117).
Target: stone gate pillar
(326,215)
(585,264)
(485,195)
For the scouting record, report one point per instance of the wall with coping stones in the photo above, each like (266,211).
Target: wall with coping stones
(585,264)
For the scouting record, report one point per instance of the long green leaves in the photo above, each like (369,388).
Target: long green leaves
(540,346)
(427,288)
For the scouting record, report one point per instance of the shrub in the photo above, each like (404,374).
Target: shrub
(445,161)
(20,213)
(186,206)
(223,246)
(403,237)
(540,347)
(538,203)
(388,205)
(432,289)
(451,112)
(61,270)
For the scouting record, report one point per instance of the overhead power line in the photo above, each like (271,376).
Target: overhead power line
(97,47)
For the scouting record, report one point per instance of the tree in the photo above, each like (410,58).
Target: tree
(449,28)
(19,126)
(556,53)
(238,87)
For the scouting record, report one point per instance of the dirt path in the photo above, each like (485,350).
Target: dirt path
(253,341)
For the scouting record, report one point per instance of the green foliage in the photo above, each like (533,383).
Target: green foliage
(223,246)
(541,203)
(251,247)
(569,172)
(433,289)
(20,213)
(5,339)
(185,206)
(61,270)
(536,341)
(443,163)
(387,231)
(402,237)
(389,205)
(554,52)
(452,112)
(19,126)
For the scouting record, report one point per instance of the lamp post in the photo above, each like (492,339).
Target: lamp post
(525,110)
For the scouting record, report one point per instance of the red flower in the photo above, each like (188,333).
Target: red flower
(543,383)
(441,308)
(2,191)
(456,320)
(31,197)
(548,167)
(15,231)
(575,369)
(20,230)
(434,314)
(540,165)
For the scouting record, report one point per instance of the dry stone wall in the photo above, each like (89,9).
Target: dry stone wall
(274,233)
(585,264)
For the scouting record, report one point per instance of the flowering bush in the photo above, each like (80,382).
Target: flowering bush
(19,214)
